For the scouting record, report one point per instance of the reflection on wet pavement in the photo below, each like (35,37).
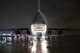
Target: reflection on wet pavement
(39,47)
(66,44)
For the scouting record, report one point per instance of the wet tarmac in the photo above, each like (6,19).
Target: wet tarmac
(63,44)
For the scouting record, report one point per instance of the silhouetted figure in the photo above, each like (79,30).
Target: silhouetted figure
(39,35)
(60,32)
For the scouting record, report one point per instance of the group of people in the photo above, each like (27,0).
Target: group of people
(39,35)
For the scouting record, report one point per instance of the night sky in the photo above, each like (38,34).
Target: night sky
(19,13)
